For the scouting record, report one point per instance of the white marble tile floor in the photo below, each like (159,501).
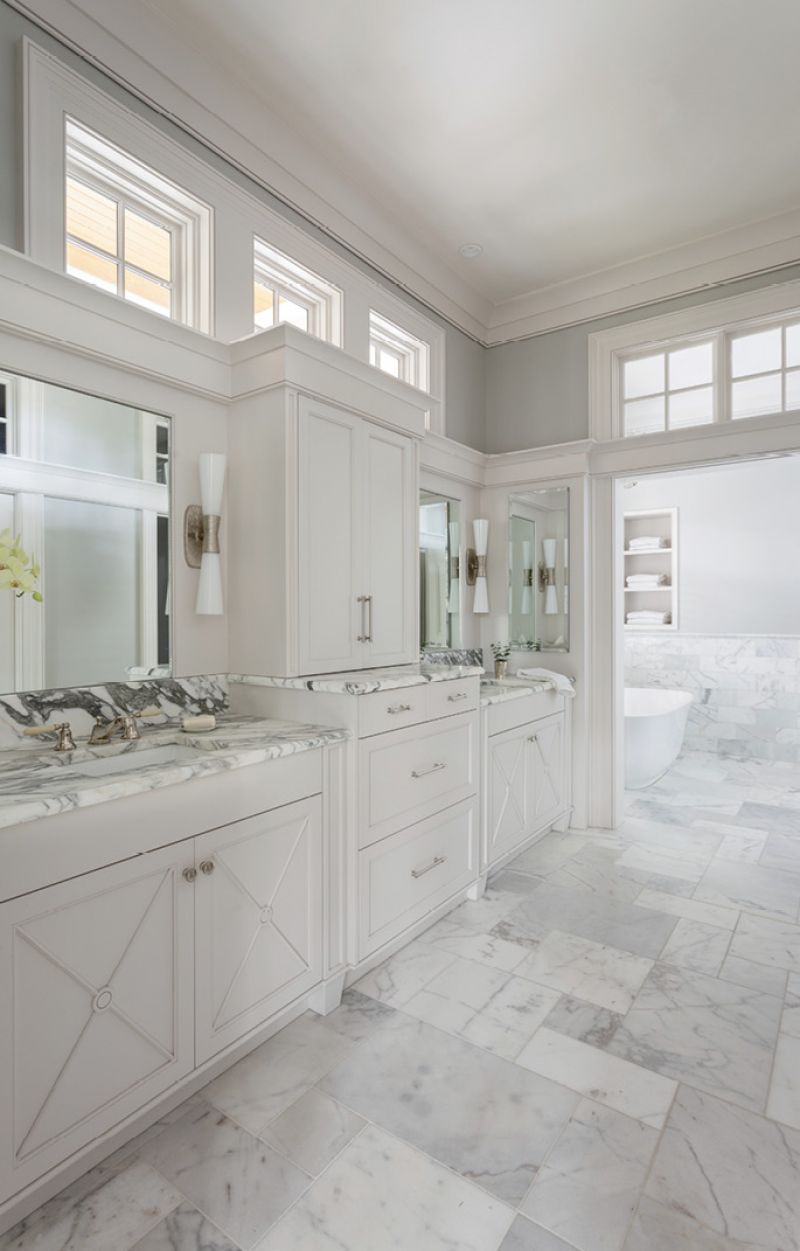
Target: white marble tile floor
(600,1055)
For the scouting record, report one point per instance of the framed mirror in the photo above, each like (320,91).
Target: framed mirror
(538,570)
(439,581)
(85,514)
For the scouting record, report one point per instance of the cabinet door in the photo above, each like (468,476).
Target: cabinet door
(508,801)
(545,767)
(389,544)
(97,991)
(329,521)
(258,920)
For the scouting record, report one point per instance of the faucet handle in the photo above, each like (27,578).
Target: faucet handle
(62,730)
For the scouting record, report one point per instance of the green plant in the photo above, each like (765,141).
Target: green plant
(19,572)
(501,651)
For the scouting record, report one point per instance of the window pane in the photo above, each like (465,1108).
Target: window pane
(91,216)
(389,363)
(792,345)
(644,376)
(645,416)
(147,293)
(691,367)
(691,408)
(148,246)
(756,396)
(756,354)
(263,300)
(295,314)
(793,389)
(91,268)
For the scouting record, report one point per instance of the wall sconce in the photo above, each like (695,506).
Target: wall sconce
(547,577)
(526,601)
(476,565)
(454,597)
(201,524)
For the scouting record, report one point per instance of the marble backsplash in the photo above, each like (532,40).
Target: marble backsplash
(82,706)
(451,656)
(746,689)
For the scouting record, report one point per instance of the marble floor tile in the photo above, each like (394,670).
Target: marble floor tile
(483,1117)
(771,817)
(312,1131)
(742,848)
(691,909)
(257,1089)
(764,941)
(236,1180)
(627,1088)
(612,922)
(185,1229)
(781,851)
(693,945)
(790,1021)
(751,888)
(682,841)
(587,970)
(525,1236)
(757,976)
(107,1207)
(548,853)
(489,949)
(783,1103)
(736,1173)
(584,1021)
(651,859)
(588,1188)
(584,872)
(658,1227)
(400,977)
(712,1034)
(358,1016)
(382,1195)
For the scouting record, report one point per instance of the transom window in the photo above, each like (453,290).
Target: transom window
(285,291)
(396,352)
(765,371)
(670,389)
(132,232)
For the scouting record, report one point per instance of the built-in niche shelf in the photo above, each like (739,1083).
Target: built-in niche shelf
(660,560)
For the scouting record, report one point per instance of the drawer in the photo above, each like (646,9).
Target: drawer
(504,716)
(447,698)
(411,873)
(409,775)
(391,710)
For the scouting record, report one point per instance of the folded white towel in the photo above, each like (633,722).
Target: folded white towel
(646,579)
(556,681)
(647,540)
(648,618)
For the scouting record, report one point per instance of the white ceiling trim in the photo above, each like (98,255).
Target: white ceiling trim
(146,56)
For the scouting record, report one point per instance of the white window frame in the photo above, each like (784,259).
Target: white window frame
(720,322)
(411,353)
(285,276)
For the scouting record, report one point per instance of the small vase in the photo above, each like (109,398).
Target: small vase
(500,669)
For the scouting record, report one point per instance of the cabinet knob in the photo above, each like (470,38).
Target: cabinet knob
(207,867)
(189,874)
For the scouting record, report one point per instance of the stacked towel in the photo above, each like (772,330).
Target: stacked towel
(646,543)
(643,581)
(648,617)
(556,681)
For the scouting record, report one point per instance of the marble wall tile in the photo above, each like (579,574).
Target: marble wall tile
(587,1190)
(382,1195)
(577,966)
(783,1103)
(717,1036)
(705,1167)
(696,946)
(185,1229)
(236,1180)
(312,1131)
(764,941)
(483,1117)
(614,1082)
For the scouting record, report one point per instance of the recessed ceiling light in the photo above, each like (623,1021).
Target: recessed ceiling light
(471,250)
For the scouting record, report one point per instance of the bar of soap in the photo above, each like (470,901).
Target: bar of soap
(199,724)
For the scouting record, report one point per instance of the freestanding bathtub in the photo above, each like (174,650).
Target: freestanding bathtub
(655,723)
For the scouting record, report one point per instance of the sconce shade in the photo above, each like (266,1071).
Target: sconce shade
(551,602)
(549,553)
(209,602)
(526,604)
(454,594)
(480,530)
(212,480)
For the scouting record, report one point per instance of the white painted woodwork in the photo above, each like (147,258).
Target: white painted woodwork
(391,710)
(258,920)
(96,978)
(545,766)
(527,783)
(446,698)
(389,536)
(409,874)
(415,772)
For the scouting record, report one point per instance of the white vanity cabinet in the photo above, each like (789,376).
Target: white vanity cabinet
(526,772)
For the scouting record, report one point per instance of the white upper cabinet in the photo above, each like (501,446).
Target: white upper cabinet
(388,555)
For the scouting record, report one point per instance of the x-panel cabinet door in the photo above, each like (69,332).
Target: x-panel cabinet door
(545,768)
(508,781)
(96,983)
(258,920)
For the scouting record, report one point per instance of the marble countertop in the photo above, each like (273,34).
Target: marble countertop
(366,681)
(37,783)
(497,691)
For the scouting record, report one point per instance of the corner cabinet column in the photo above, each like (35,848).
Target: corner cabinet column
(389,545)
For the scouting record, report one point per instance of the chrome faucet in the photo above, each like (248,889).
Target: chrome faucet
(125,725)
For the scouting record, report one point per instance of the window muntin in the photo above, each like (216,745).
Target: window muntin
(397,352)
(764,374)
(130,231)
(668,390)
(286,291)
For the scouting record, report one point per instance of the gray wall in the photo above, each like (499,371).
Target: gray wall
(464,379)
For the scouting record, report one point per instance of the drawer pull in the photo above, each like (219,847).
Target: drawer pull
(434,864)
(533,738)
(397,708)
(434,768)
(453,699)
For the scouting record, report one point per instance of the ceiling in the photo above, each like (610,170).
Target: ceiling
(591,147)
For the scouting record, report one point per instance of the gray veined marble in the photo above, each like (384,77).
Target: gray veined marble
(365,681)
(584,1021)
(696,946)
(751,888)
(601,918)
(524,1235)
(764,941)
(483,1117)
(185,1229)
(312,1131)
(602,975)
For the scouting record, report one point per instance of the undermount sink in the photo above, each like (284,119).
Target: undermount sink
(130,761)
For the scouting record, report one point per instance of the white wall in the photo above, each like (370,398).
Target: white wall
(739,544)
